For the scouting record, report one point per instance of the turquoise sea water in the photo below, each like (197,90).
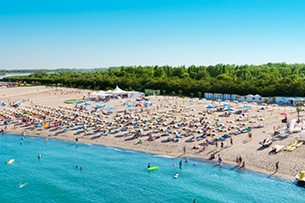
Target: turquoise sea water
(115,175)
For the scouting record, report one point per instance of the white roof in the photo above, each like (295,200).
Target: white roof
(100,93)
(118,91)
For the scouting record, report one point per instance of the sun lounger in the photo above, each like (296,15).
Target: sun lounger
(276,148)
(299,144)
(290,148)
(293,146)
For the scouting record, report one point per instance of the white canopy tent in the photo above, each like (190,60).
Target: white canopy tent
(117,92)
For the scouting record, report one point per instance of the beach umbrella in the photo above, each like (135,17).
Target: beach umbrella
(246,106)
(98,106)
(77,102)
(210,106)
(111,108)
(229,109)
(283,113)
(38,124)
(225,104)
(87,104)
(130,105)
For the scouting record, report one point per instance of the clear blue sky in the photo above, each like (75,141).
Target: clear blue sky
(101,33)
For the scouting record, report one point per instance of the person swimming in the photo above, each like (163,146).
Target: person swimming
(22,185)
(39,156)
(148,166)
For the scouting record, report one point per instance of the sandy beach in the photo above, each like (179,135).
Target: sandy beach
(172,126)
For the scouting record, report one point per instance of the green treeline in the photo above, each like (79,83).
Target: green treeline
(272,79)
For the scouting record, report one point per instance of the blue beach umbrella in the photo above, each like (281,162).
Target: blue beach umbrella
(77,102)
(210,106)
(246,106)
(226,104)
(38,124)
(229,109)
(130,105)
(111,108)
(86,104)
(98,106)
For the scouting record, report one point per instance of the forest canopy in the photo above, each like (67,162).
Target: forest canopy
(272,79)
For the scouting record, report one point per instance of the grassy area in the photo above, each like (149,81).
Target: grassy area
(72,101)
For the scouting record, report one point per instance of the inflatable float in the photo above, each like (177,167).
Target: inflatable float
(154,168)
(10,161)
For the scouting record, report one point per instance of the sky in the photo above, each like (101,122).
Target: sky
(51,34)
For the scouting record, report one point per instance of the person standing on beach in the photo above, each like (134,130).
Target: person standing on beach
(250,135)
(221,145)
(219,159)
(243,165)
(231,140)
(276,166)
(240,160)
(184,150)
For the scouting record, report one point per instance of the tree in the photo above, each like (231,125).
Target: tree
(272,79)
(199,94)
(180,93)
(299,105)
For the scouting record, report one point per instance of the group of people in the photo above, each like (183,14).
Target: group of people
(240,162)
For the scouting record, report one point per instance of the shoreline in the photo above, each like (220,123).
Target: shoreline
(228,164)
(41,102)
